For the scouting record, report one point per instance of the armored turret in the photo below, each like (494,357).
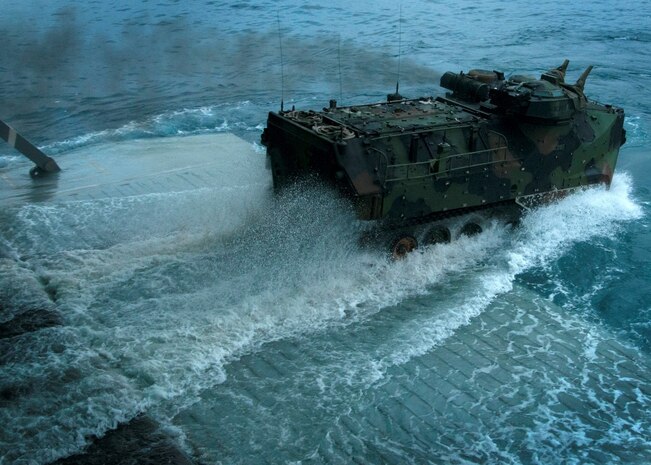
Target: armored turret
(547,100)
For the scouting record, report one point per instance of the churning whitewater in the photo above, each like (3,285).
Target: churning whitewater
(255,328)
(159,293)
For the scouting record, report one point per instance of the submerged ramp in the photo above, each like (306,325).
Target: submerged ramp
(528,383)
(524,382)
(148,199)
(128,168)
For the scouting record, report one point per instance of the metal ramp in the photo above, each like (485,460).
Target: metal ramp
(128,168)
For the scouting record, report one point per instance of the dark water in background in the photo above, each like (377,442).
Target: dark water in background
(164,299)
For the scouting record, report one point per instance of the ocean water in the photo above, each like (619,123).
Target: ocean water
(253,328)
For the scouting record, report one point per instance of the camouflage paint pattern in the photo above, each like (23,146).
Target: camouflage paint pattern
(490,141)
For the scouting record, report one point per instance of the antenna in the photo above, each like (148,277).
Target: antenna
(341,98)
(395,97)
(282,70)
(399,47)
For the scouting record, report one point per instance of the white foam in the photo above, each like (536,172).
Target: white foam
(490,263)
(548,231)
(200,120)
(154,315)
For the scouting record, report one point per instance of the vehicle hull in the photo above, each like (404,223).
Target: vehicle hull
(409,161)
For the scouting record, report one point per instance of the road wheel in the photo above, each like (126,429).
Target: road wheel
(402,246)
(438,235)
(470,229)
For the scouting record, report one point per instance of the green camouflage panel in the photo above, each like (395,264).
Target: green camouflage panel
(488,142)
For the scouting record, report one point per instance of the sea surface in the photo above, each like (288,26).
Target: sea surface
(255,329)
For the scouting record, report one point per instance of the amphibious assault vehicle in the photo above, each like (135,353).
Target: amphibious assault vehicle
(489,142)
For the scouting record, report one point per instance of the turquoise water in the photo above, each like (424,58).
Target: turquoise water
(254,329)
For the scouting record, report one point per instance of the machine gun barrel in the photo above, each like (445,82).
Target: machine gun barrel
(463,85)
